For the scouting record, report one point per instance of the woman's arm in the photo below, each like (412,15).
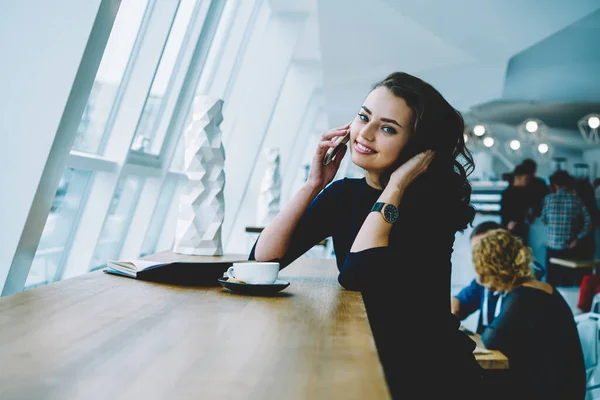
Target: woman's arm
(370,254)
(467,301)
(375,231)
(501,333)
(275,239)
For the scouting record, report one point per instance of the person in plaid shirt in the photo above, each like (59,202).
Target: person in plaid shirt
(567,221)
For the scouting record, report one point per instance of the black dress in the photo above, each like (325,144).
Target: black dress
(405,286)
(537,332)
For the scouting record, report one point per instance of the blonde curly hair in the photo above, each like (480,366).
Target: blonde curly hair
(501,260)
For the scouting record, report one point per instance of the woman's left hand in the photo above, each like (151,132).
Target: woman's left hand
(411,170)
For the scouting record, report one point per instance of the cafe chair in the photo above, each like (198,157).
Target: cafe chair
(596,303)
(588,326)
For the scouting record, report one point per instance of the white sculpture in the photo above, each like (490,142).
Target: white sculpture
(202,204)
(270,189)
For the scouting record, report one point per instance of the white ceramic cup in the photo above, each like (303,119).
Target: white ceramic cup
(254,272)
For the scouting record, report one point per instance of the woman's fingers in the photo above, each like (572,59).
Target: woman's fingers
(331,135)
(339,131)
(324,146)
(426,158)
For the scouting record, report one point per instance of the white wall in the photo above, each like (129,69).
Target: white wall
(592,157)
(42,79)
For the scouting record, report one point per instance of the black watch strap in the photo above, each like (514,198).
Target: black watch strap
(378,206)
(389,212)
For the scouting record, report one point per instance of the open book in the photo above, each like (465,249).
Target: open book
(131,268)
(175,268)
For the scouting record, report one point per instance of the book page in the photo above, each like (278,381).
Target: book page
(131,265)
(141,265)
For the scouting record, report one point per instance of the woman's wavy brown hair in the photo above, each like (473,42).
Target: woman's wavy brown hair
(502,261)
(439,127)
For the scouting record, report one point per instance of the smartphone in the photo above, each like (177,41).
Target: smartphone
(332,152)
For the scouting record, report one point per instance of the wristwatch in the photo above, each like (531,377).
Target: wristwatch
(388,211)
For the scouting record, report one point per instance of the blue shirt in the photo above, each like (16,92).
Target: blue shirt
(472,298)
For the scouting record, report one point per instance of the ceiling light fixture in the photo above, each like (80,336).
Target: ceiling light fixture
(479,130)
(488,141)
(532,130)
(588,126)
(531,126)
(515,144)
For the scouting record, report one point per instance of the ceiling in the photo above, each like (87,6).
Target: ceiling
(461,47)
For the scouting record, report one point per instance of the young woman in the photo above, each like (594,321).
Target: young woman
(393,231)
(535,329)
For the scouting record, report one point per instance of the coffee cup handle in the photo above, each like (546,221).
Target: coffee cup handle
(230,273)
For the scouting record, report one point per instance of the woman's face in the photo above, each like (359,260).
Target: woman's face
(380,131)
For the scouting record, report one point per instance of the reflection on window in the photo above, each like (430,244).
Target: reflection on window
(92,128)
(146,138)
(117,221)
(59,227)
(217,46)
(167,196)
(178,156)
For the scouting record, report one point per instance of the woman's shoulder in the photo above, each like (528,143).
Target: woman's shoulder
(346,185)
(527,296)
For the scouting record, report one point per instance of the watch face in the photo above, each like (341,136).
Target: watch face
(390,213)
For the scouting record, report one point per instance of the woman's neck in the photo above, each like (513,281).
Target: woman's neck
(372,180)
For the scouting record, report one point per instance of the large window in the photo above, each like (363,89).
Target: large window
(91,134)
(117,221)
(59,227)
(119,193)
(165,201)
(147,138)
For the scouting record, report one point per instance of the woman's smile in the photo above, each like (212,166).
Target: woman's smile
(363,149)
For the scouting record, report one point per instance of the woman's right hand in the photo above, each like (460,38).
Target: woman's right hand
(321,175)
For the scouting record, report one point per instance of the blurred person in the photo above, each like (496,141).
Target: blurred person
(535,329)
(516,203)
(586,247)
(567,221)
(538,189)
(409,141)
(476,297)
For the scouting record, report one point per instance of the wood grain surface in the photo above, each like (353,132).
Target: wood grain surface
(493,360)
(100,336)
(575,263)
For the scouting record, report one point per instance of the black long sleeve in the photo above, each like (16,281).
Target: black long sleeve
(405,286)
(316,224)
(537,332)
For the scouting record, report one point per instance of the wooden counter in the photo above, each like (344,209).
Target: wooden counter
(100,336)
(492,360)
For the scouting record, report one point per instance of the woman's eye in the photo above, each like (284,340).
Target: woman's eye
(363,117)
(388,129)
